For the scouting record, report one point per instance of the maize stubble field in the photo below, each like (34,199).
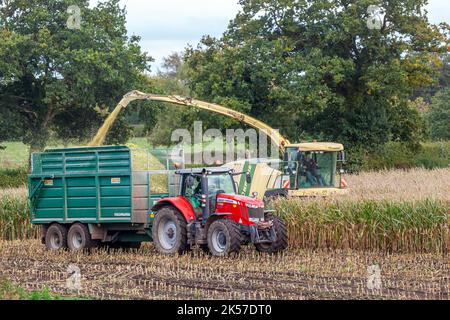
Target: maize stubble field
(296,274)
(397,220)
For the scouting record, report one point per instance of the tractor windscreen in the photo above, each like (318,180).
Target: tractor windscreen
(317,169)
(223,182)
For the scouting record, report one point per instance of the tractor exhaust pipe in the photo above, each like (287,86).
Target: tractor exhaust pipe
(205,197)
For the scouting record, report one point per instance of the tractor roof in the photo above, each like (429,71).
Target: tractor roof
(209,170)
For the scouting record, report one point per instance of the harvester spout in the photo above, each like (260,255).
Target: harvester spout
(273,134)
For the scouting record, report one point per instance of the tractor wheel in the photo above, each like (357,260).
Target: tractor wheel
(281,242)
(169,231)
(79,238)
(56,237)
(224,237)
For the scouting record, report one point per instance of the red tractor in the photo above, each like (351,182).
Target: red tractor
(210,214)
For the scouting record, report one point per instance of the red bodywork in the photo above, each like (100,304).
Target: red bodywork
(234,206)
(181,203)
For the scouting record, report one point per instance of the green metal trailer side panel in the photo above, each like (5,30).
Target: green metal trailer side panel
(49,202)
(91,184)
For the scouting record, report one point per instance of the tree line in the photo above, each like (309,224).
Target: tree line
(315,70)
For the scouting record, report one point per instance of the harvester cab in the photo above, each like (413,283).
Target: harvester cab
(313,165)
(209,213)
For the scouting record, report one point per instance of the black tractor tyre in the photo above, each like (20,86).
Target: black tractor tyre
(224,237)
(56,237)
(281,242)
(169,231)
(79,238)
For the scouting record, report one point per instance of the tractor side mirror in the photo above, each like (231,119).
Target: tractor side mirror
(248,177)
(189,181)
(341,156)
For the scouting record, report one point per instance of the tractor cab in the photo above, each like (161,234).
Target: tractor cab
(208,213)
(216,182)
(212,192)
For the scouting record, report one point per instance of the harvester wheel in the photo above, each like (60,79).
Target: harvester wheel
(224,237)
(281,243)
(56,237)
(169,231)
(79,238)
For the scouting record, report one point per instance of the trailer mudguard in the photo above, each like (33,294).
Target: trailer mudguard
(180,203)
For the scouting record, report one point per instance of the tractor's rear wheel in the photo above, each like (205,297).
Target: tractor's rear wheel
(169,231)
(281,242)
(56,237)
(224,237)
(79,238)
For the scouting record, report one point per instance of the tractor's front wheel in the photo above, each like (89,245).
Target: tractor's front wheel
(169,231)
(281,242)
(224,237)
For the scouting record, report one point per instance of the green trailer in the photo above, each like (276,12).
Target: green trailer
(104,194)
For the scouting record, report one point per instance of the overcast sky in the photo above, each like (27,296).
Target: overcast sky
(167,26)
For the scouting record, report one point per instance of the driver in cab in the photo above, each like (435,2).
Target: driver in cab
(193,193)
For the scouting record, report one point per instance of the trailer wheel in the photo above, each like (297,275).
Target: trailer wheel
(56,237)
(79,238)
(169,231)
(281,242)
(224,237)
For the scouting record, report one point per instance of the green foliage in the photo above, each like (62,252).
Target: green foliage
(439,115)
(170,80)
(10,125)
(397,155)
(10,291)
(13,177)
(442,81)
(316,69)
(56,78)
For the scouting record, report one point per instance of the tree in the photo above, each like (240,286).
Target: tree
(170,80)
(439,115)
(442,81)
(172,65)
(56,79)
(315,68)
(10,126)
